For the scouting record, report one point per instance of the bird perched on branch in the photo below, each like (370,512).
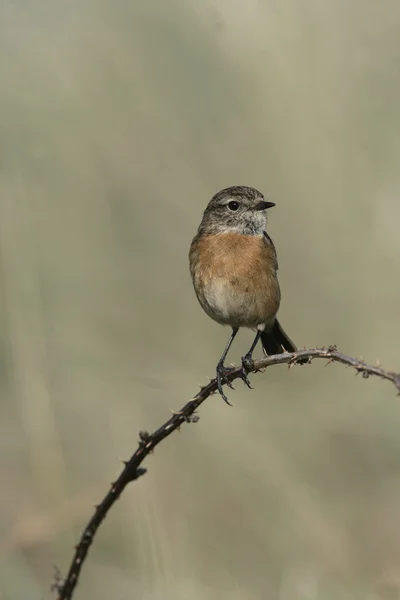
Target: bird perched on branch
(233,265)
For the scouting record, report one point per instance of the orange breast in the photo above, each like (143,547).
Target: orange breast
(234,276)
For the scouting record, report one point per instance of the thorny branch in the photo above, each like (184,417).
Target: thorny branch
(148,441)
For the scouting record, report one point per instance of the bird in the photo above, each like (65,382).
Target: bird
(233,265)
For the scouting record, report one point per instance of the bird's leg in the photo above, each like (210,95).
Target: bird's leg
(247,359)
(222,371)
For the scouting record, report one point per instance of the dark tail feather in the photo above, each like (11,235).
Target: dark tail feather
(276,341)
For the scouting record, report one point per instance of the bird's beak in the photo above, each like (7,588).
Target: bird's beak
(262,205)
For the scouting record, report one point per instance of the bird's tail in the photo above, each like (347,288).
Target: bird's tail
(276,341)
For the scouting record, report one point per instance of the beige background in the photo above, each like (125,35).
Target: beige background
(118,121)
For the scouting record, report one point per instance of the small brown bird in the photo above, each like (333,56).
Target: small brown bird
(234,267)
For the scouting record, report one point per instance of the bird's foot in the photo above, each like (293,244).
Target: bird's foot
(302,361)
(247,366)
(222,373)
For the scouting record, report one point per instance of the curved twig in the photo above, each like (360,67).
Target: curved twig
(148,441)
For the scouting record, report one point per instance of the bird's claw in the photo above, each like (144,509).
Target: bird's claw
(245,379)
(222,373)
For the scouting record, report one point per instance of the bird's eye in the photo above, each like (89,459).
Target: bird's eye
(233,205)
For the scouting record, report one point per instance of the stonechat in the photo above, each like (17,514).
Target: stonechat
(233,265)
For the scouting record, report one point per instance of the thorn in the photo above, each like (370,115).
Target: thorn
(378,363)
(179,413)
(329,362)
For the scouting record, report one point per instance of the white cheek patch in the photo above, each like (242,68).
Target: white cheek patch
(254,223)
(260,219)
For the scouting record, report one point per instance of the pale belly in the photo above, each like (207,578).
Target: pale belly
(232,305)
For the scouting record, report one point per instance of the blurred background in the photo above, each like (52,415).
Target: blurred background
(118,122)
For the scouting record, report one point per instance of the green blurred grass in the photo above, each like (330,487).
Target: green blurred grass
(118,122)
